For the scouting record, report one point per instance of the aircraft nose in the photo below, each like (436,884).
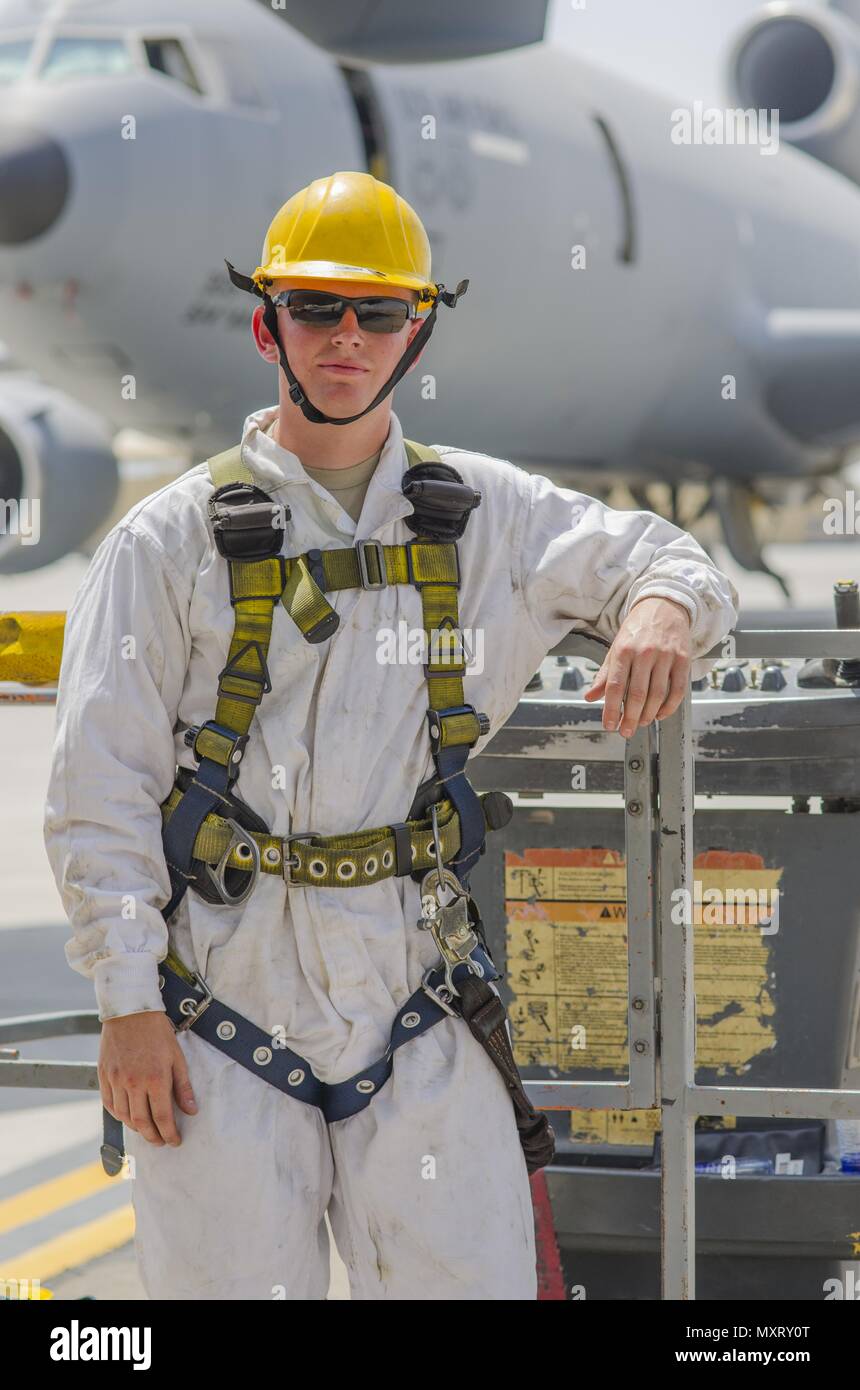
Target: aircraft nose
(34,183)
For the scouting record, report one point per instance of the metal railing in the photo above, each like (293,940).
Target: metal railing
(658,792)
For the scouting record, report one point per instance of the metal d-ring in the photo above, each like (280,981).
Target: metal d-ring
(239,836)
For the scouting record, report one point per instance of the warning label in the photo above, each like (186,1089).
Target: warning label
(567,960)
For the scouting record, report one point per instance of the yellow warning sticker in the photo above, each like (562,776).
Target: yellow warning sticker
(567,959)
(614,1126)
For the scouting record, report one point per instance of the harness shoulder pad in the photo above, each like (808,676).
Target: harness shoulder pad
(241,512)
(442,501)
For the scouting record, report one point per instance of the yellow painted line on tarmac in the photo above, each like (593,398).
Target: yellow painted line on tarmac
(76,1247)
(53,1195)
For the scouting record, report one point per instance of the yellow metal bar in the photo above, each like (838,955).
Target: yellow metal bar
(31,647)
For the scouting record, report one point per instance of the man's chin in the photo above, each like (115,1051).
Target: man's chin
(340,397)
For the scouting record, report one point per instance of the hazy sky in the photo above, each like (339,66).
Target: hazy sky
(676,45)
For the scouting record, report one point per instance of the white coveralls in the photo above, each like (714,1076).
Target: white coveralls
(426,1188)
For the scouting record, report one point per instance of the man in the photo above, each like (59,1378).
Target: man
(426,1186)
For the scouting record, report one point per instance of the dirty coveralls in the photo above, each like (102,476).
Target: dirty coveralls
(426,1188)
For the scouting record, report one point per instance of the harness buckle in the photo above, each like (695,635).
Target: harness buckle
(191,1009)
(361,548)
(239,837)
(290,861)
(437,995)
(260,678)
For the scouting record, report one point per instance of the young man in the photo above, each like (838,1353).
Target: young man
(426,1185)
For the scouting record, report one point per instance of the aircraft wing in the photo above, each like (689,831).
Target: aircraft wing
(404,31)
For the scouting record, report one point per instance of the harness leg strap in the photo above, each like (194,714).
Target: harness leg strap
(189,1005)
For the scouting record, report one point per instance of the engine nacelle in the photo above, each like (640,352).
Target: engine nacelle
(58,473)
(805,62)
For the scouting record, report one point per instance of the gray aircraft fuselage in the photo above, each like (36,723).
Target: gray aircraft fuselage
(705,265)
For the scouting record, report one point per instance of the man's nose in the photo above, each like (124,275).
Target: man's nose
(349,323)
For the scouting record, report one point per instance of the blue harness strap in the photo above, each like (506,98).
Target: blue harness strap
(190,1006)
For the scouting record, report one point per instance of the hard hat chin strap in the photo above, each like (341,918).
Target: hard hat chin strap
(297,392)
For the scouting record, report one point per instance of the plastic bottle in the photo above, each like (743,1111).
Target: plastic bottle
(848,1145)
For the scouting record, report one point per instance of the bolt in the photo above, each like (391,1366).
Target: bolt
(640,1047)
(634,807)
(635,764)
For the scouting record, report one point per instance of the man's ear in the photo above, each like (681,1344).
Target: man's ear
(413,365)
(263,339)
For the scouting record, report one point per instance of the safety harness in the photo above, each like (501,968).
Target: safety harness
(215,843)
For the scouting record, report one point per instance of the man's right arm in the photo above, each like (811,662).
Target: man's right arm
(125,655)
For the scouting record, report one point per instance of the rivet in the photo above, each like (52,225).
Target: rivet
(226,1030)
(411,1020)
(296,1077)
(365,1086)
(272,855)
(262,1056)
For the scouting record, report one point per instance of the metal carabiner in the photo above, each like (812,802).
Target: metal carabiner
(238,839)
(448,924)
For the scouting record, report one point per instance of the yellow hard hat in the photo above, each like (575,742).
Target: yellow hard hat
(348,226)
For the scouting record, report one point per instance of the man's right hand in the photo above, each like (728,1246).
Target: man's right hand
(141,1070)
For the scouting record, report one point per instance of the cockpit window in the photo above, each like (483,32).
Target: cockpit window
(168,56)
(85,57)
(236,76)
(13,59)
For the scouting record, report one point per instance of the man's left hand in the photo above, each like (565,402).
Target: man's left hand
(650,660)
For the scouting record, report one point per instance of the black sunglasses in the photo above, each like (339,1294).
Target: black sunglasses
(376,314)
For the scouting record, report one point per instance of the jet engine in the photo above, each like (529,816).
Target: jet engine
(805,63)
(58,473)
